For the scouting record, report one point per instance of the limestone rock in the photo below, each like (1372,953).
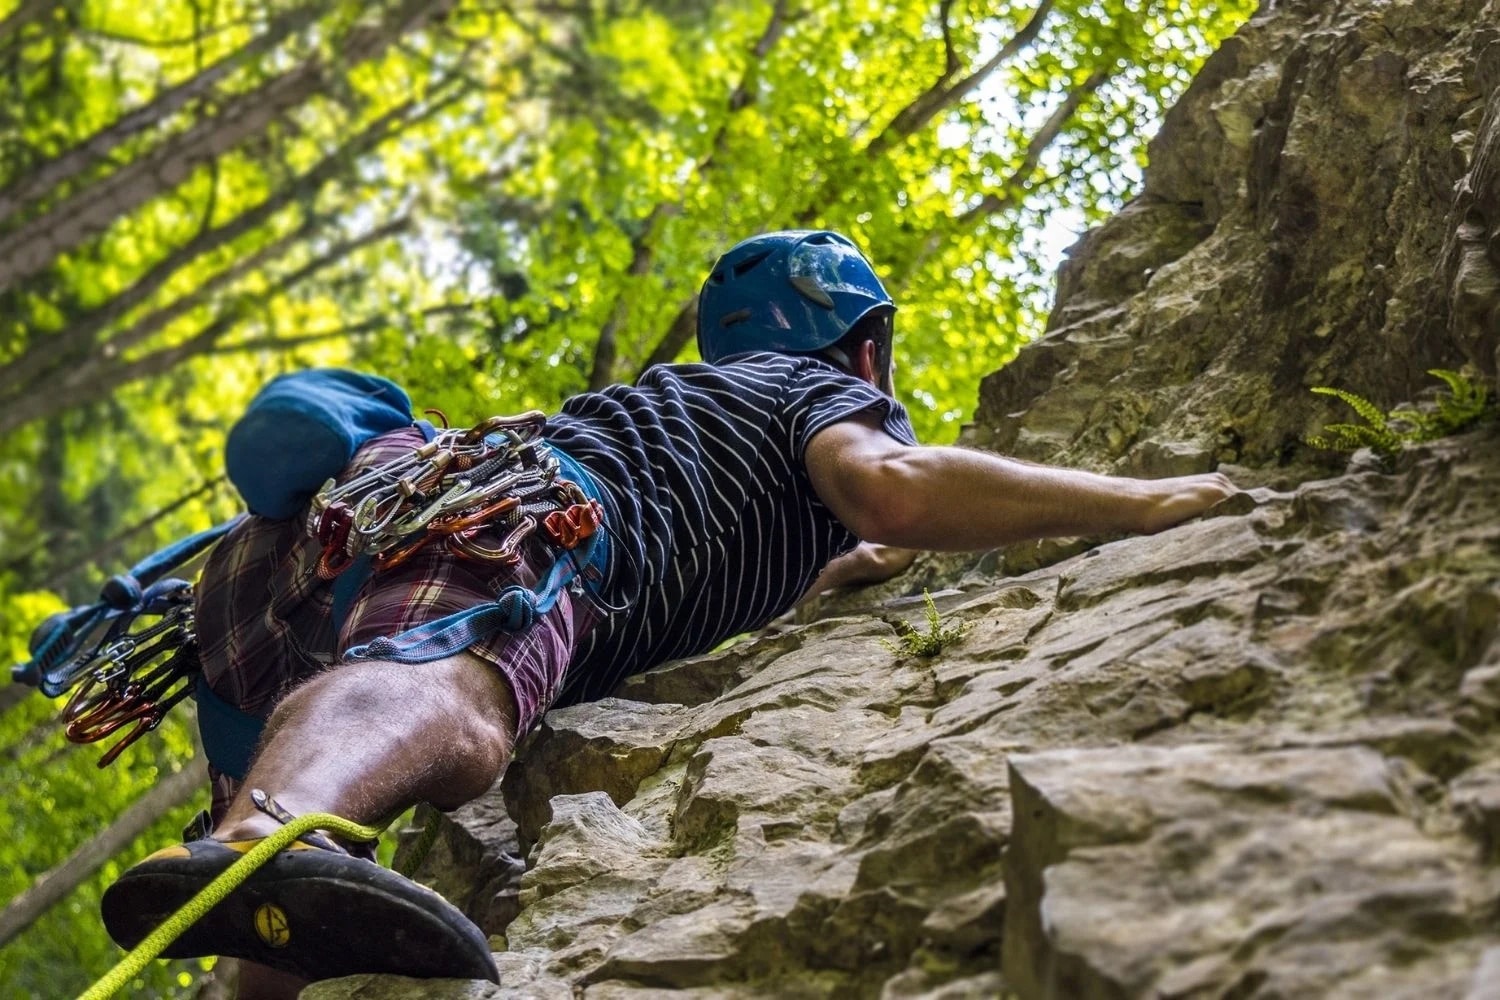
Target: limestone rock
(1211,870)
(1297,198)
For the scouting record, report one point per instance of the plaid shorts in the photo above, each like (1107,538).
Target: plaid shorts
(265,618)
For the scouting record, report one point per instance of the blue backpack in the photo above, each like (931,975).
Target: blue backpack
(301,429)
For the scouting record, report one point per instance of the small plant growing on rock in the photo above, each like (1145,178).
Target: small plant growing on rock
(1466,400)
(915,642)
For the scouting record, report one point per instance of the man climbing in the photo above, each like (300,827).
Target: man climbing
(726,488)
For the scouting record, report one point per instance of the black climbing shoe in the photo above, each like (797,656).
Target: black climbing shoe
(307,911)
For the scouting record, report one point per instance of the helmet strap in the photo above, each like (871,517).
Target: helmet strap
(839,357)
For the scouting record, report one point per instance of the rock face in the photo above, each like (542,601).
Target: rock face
(1322,207)
(1256,756)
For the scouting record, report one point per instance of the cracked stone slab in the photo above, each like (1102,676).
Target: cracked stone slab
(1204,869)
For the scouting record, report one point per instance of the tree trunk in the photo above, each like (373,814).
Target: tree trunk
(12,694)
(52,886)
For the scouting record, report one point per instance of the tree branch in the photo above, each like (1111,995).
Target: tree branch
(941,95)
(360,329)
(97,377)
(117,542)
(684,327)
(951,62)
(79,336)
(19,18)
(938,97)
(104,34)
(1015,185)
(643,247)
(151,324)
(13,694)
(52,886)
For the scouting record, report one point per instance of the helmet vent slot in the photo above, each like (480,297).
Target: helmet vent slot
(810,288)
(738,316)
(740,267)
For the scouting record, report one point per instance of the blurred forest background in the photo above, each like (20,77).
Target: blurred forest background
(497,204)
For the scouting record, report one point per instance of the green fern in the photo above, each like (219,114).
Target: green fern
(1465,402)
(913,642)
(1375,433)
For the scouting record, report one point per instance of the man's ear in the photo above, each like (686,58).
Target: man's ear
(864,364)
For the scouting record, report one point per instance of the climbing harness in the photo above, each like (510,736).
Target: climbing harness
(133,654)
(565,502)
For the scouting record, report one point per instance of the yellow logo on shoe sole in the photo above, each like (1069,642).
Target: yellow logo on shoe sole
(271,924)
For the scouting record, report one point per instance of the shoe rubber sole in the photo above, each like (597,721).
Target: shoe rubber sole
(308,912)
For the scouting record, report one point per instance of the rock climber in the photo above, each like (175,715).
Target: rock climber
(728,488)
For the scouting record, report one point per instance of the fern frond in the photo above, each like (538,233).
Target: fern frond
(1367,410)
(911,642)
(1418,426)
(1458,382)
(1465,403)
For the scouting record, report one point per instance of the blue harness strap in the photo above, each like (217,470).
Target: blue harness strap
(515,608)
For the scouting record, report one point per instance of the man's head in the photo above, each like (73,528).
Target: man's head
(797,292)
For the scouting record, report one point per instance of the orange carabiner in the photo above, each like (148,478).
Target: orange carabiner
(109,716)
(391,558)
(574,524)
(463,544)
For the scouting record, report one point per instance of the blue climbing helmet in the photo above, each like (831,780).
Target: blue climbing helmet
(797,291)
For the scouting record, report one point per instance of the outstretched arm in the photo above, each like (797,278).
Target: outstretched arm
(954,499)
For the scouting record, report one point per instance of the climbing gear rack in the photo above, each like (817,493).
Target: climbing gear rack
(448,490)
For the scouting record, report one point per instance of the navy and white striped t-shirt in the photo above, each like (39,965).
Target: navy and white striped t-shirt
(715,526)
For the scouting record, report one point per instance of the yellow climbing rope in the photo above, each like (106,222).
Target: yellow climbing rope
(155,942)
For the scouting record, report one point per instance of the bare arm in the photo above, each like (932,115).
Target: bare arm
(954,499)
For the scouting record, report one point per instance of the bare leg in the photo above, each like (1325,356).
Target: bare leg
(368,739)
